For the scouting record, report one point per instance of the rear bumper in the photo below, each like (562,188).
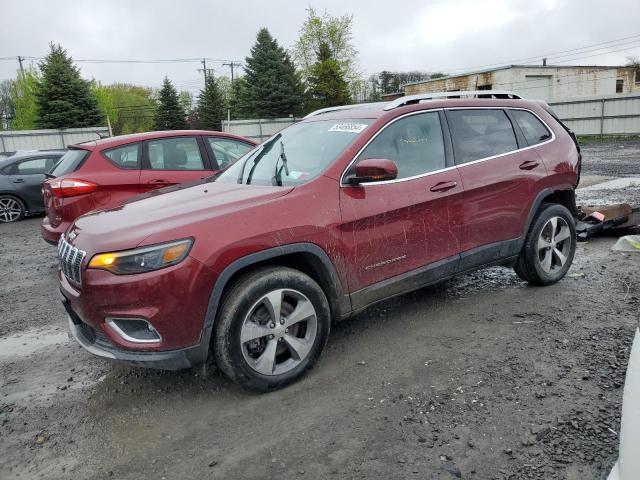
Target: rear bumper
(51,234)
(97,344)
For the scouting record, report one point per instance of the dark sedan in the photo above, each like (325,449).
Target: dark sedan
(21,179)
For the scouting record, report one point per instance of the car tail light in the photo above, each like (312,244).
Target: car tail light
(70,187)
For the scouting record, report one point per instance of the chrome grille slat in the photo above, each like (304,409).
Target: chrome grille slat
(70,259)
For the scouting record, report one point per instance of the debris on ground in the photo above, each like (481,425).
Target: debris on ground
(628,243)
(614,219)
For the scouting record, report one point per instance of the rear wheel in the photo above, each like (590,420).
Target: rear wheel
(271,328)
(12,209)
(549,248)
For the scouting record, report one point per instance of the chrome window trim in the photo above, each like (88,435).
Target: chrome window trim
(426,174)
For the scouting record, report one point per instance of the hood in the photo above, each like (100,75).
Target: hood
(127,225)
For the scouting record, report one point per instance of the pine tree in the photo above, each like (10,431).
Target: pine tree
(64,99)
(327,84)
(170,114)
(211,106)
(273,87)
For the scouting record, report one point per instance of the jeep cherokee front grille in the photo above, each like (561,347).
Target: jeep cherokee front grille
(70,259)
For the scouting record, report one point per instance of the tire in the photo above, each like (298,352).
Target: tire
(549,247)
(255,350)
(12,209)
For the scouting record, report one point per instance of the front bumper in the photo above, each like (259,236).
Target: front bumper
(172,300)
(96,343)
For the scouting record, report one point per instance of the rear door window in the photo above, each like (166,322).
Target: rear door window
(481,133)
(69,162)
(533,129)
(34,166)
(127,156)
(181,153)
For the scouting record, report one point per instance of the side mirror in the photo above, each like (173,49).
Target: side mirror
(373,170)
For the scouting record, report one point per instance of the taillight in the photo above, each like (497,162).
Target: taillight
(70,187)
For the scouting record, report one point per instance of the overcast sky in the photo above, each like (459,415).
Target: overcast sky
(404,35)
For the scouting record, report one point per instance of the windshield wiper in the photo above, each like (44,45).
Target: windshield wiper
(266,148)
(277,174)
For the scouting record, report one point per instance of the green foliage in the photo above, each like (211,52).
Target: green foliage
(23,96)
(7,111)
(186,101)
(64,99)
(335,32)
(326,82)
(211,105)
(169,115)
(236,97)
(130,108)
(391,82)
(272,87)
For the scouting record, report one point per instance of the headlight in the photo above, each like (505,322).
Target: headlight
(143,259)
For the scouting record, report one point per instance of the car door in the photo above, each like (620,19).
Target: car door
(118,184)
(172,160)
(405,229)
(27,176)
(500,176)
(224,151)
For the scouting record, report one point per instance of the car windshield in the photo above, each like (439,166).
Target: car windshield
(69,162)
(295,155)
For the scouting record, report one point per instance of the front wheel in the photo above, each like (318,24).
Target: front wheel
(549,247)
(271,328)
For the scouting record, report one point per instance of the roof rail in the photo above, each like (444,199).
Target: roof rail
(399,102)
(343,107)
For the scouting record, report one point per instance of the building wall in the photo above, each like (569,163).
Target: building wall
(544,83)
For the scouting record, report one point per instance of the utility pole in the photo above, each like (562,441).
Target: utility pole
(21,67)
(204,69)
(231,65)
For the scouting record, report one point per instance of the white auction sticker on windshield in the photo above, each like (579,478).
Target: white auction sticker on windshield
(348,127)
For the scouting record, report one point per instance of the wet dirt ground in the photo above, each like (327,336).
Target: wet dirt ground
(481,377)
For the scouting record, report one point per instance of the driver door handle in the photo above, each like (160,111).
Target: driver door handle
(158,182)
(443,186)
(18,180)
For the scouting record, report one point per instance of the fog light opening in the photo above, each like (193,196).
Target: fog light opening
(134,330)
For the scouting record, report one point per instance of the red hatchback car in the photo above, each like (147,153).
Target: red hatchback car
(103,173)
(346,208)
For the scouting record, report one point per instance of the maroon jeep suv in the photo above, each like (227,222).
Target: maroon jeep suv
(349,207)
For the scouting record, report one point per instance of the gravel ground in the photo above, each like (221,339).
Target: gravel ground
(481,377)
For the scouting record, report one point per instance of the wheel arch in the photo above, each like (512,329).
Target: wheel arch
(307,258)
(565,197)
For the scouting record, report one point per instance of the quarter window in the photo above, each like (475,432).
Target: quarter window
(415,143)
(181,153)
(227,150)
(532,128)
(478,134)
(127,156)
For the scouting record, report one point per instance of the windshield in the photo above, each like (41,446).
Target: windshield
(69,162)
(296,155)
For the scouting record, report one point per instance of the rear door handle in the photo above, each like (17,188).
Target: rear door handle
(529,165)
(443,186)
(18,180)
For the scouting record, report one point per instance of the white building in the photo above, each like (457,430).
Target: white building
(543,82)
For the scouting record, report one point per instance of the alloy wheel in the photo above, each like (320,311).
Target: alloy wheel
(10,209)
(278,332)
(554,244)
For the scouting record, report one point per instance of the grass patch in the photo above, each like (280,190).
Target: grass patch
(585,139)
